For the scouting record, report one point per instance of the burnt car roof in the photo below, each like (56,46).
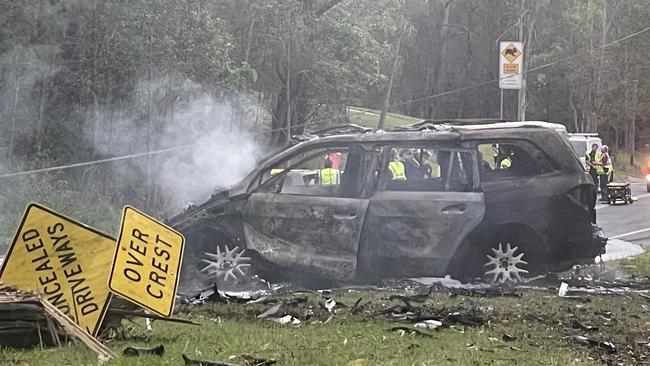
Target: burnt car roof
(442,132)
(536,131)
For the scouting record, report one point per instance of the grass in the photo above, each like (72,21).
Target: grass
(539,321)
(637,266)
(370,118)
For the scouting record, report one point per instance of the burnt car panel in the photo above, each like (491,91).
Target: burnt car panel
(318,234)
(414,233)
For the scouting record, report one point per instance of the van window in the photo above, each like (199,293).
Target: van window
(512,159)
(433,169)
(319,172)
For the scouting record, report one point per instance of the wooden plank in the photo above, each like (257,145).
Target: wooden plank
(104,354)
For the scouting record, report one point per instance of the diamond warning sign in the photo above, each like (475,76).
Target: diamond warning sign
(67,261)
(510,65)
(147,262)
(511,52)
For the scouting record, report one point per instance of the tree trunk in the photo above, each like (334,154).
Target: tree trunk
(439,67)
(389,88)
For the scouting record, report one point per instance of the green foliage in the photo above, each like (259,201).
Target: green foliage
(85,206)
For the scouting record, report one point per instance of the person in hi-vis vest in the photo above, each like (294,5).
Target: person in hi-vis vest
(328,175)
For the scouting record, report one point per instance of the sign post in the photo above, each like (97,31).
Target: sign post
(511,59)
(66,261)
(147,262)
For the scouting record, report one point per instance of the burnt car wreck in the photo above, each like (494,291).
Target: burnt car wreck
(497,200)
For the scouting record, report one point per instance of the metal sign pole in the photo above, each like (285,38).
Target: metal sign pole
(501,108)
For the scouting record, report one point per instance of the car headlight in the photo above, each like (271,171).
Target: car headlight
(647,177)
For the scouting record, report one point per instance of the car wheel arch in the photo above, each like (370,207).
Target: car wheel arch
(517,234)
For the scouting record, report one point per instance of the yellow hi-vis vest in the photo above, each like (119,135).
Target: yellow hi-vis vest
(397,169)
(597,156)
(505,163)
(329,176)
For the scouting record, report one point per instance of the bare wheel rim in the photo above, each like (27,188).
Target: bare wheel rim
(227,264)
(505,265)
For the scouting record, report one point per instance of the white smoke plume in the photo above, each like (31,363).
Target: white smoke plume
(221,133)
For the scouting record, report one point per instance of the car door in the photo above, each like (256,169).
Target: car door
(303,225)
(413,227)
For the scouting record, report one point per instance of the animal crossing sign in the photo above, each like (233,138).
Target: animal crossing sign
(64,260)
(510,65)
(147,262)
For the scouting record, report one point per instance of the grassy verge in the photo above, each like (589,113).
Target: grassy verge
(539,323)
(637,266)
(370,117)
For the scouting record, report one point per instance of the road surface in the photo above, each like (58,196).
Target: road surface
(630,223)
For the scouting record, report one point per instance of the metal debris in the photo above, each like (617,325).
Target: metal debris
(576,324)
(271,311)
(287,320)
(429,324)
(248,360)
(409,330)
(139,351)
(189,361)
(608,347)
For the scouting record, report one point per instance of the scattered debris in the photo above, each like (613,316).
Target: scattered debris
(576,324)
(492,291)
(508,338)
(608,347)
(564,287)
(330,304)
(271,311)
(139,351)
(355,307)
(404,330)
(248,360)
(103,353)
(287,320)
(429,324)
(189,361)
(147,315)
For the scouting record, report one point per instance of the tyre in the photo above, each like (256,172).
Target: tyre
(214,255)
(647,188)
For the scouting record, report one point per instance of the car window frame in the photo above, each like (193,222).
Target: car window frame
(380,185)
(318,149)
(521,144)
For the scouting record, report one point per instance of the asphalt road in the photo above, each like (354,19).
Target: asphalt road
(630,223)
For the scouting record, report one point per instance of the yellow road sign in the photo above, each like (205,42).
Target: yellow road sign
(510,69)
(66,261)
(511,52)
(147,262)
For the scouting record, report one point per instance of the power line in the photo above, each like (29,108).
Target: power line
(448,92)
(93,162)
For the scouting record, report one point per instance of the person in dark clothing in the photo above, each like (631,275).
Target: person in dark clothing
(411,166)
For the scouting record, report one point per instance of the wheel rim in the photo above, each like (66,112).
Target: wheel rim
(227,264)
(503,266)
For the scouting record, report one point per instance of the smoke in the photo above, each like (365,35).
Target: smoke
(220,132)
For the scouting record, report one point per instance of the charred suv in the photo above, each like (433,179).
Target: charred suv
(496,200)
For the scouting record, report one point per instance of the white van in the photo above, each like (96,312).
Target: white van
(581,143)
